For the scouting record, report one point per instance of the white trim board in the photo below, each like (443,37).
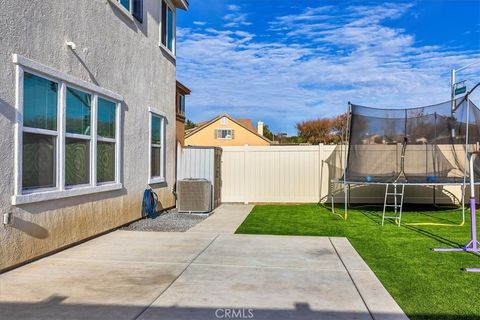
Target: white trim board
(157,113)
(50,72)
(59,194)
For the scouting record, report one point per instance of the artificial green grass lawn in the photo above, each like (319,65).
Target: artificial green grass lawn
(426,284)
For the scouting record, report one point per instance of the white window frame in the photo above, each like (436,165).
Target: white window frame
(22,196)
(181,104)
(130,5)
(127,12)
(224,129)
(97,138)
(152,112)
(172,52)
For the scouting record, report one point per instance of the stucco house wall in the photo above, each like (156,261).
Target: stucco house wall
(206,136)
(115,52)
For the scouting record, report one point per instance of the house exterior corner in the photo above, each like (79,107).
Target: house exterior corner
(79,106)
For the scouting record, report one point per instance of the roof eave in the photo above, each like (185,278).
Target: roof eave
(181,4)
(183,88)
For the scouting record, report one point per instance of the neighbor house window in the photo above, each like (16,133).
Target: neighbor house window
(67,142)
(181,103)
(157,149)
(224,134)
(168,27)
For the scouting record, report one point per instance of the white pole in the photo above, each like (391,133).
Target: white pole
(452,88)
(472,184)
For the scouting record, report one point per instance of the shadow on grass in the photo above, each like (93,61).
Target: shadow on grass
(374,214)
(433,236)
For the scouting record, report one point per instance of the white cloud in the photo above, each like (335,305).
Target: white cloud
(236,19)
(199,23)
(320,59)
(233,7)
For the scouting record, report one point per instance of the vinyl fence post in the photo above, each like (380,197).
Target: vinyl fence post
(245,189)
(320,171)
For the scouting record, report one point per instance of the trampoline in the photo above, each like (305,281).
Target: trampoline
(423,146)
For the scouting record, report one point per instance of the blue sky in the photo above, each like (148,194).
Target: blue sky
(282,61)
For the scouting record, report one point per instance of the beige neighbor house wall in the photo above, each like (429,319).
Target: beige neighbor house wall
(116,52)
(206,135)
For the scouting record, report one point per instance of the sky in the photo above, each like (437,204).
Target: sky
(286,61)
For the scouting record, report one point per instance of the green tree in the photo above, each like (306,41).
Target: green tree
(267,133)
(189,124)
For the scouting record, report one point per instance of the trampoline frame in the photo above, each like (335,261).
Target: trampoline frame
(347,184)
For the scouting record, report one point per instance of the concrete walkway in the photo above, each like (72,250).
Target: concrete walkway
(199,275)
(226,219)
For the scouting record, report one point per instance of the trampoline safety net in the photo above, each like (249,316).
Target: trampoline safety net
(424,145)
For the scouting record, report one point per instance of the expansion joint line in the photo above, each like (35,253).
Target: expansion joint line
(351,278)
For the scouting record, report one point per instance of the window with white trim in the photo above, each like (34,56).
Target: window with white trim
(225,134)
(130,8)
(167,27)
(127,4)
(68,140)
(157,148)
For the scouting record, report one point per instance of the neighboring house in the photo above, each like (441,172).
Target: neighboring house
(182,91)
(87,118)
(224,131)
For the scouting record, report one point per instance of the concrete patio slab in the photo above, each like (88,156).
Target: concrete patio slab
(376,297)
(269,293)
(152,247)
(199,275)
(73,289)
(350,257)
(272,251)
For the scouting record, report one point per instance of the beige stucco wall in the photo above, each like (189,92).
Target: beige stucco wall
(242,136)
(116,53)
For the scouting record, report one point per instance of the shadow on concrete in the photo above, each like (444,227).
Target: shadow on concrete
(58,307)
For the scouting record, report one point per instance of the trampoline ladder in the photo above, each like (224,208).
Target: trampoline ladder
(397,203)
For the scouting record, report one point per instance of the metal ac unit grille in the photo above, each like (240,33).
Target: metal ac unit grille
(194,195)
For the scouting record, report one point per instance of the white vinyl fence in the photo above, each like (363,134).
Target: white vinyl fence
(294,174)
(274,173)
